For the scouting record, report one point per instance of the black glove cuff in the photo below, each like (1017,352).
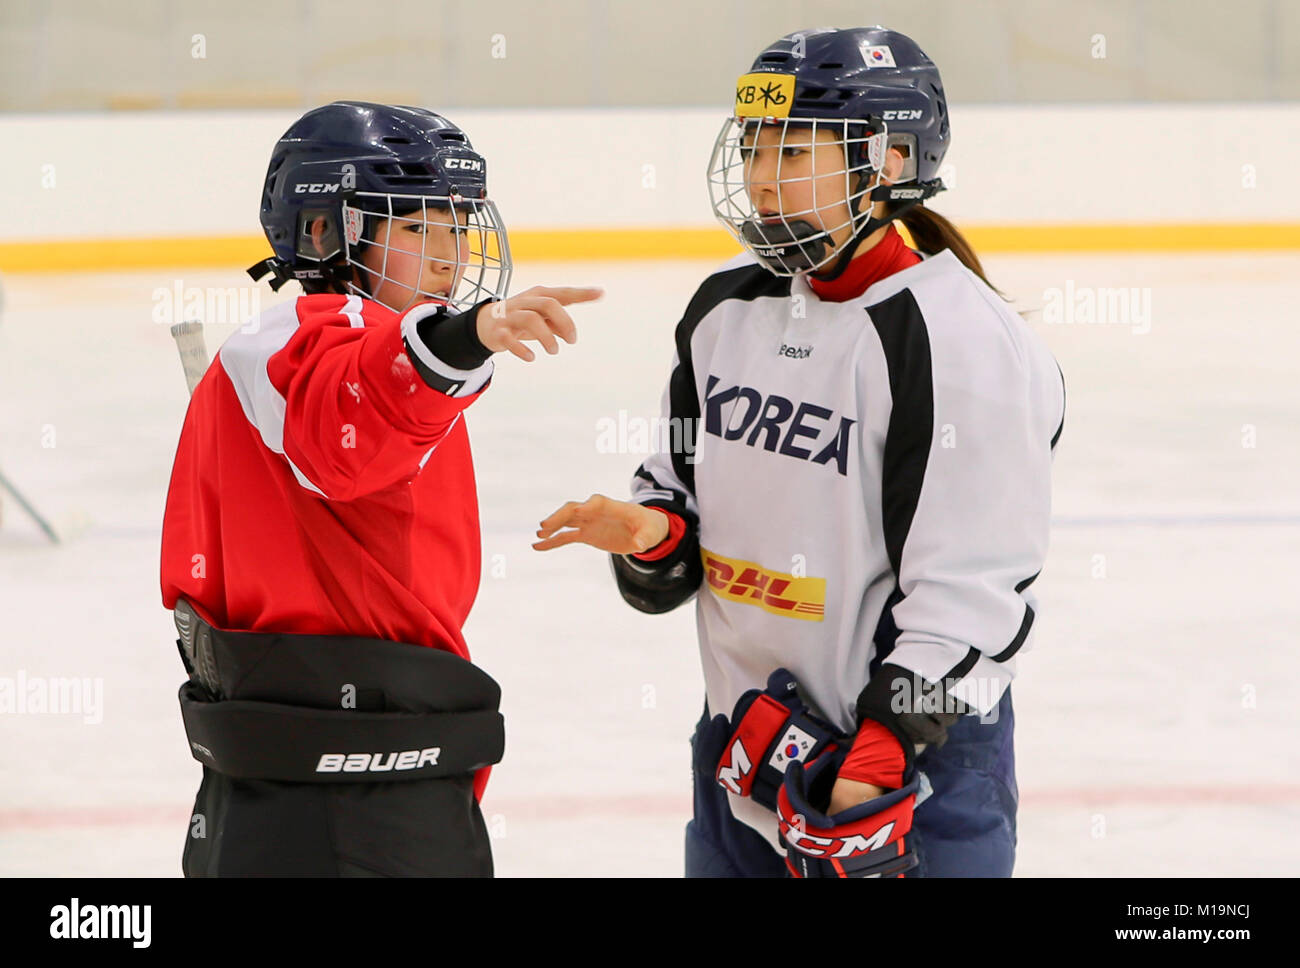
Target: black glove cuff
(914,710)
(660,586)
(453,337)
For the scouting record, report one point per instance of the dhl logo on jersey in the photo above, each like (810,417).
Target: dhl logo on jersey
(772,591)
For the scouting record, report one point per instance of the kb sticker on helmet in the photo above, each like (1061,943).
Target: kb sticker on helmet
(764,95)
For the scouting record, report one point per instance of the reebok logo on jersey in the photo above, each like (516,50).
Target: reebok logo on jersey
(795,352)
(776,423)
(377,762)
(772,591)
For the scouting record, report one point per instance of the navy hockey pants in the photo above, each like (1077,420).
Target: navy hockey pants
(966,828)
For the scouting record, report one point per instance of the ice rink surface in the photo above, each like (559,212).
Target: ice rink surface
(1157,709)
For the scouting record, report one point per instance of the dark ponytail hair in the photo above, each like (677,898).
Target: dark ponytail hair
(932,233)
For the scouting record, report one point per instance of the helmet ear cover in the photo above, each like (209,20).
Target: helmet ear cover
(331,241)
(902,142)
(905,144)
(330,271)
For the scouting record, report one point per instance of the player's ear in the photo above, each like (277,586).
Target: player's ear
(894,161)
(317,229)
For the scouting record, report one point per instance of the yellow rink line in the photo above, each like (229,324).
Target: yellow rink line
(91,255)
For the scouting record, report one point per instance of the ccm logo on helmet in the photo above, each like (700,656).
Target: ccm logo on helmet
(315,189)
(377,762)
(902,115)
(464,164)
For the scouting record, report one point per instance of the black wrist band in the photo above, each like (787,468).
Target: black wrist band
(453,338)
(912,709)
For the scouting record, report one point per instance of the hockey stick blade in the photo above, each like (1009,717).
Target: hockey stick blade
(193,351)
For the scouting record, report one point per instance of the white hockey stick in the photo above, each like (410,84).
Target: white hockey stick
(194,352)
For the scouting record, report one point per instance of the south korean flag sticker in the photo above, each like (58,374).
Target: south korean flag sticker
(878,55)
(793,747)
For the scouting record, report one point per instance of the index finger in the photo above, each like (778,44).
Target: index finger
(559,517)
(567,295)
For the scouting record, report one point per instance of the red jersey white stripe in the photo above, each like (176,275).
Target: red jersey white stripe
(321,487)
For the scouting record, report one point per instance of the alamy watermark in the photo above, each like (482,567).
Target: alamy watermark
(78,922)
(628,434)
(211,305)
(26,695)
(976,692)
(1102,306)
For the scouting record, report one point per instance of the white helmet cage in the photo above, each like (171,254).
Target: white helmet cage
(785,250)
(463,238)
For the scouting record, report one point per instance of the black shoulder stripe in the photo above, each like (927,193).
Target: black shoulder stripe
(678,497)
(746,283)
(1057,436)
(906,345)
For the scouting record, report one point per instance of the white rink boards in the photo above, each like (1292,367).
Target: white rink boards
(1156,711)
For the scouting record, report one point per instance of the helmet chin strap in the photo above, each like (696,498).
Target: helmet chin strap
(796,245)
(278,269)
(899,199)
(281,272)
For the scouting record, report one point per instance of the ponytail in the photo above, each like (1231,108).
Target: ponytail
(932,233)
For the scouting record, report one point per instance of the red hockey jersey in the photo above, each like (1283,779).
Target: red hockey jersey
(321,486)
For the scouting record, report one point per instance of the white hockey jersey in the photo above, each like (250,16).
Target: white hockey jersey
(895,447)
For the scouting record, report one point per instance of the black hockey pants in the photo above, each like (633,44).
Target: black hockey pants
(334,756)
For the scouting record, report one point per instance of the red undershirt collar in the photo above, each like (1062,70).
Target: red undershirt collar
(889,256)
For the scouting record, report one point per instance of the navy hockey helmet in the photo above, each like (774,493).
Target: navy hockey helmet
(353,164)
(874,89)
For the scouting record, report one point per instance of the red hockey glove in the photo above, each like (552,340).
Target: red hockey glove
(772,729)
(868,840)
